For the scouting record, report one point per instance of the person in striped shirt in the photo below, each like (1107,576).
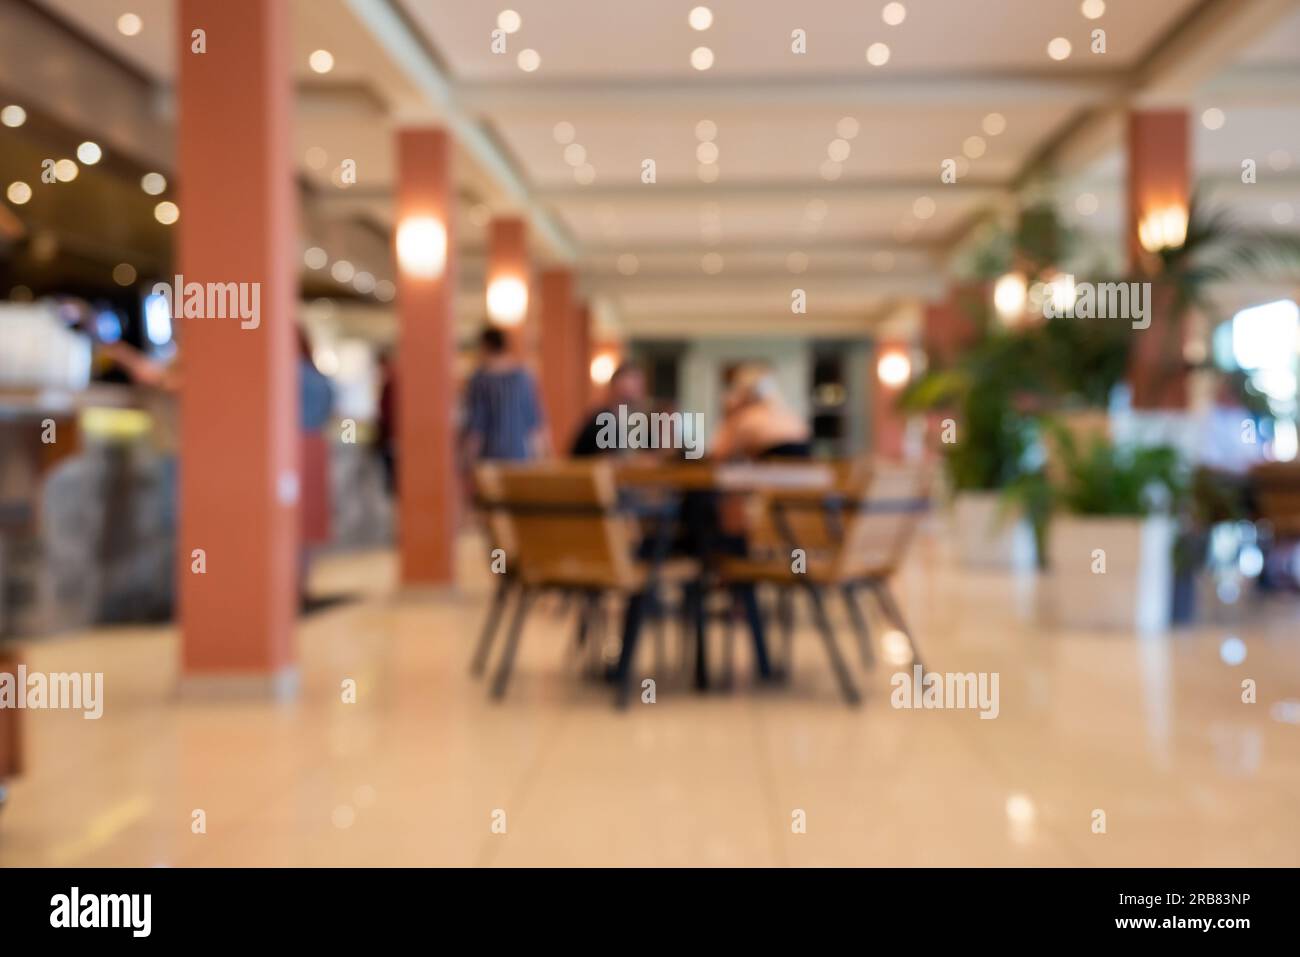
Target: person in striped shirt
(503,416)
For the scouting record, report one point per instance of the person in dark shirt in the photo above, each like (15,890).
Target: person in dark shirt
(503,416)
(626,387)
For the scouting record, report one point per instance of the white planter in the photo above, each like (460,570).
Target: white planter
(987,536)
(1135,590)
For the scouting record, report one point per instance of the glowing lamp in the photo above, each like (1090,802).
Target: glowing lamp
(1164,228)
(1010,293)
(507,301)
(422,247)
(894,368)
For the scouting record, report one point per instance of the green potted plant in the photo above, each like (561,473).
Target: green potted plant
(1110,539)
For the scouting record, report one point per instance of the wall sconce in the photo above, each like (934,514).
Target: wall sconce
(893,368)
(422,247)
(602,368)
(507,301)
(1010,293)
(1164,228)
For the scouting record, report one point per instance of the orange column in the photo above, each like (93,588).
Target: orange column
(509,281)
(1159,190)
(565,364)
(239,430)
(426,394)
(888,424)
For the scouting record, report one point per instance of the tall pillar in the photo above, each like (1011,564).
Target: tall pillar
(509,284)
(426,395)
(1159,191)
(565,363)
(888,423)
(239,441)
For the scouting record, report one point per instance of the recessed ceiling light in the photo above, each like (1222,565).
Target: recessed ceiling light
(13,116)
(364,283)
(1059,48)
(830,170)
(19,193)
(1093,9)
(585,175)
(315,258)
(153,183)
(1282,213)
(893,14)
(166,212)
(124,274)
(708,172)
(385,290)
(994,124)
(321,61)
(700,18)
(1086,204)
(65,171)
(707,152)
(509,21)
(529,60)
(706,131)
(1213,118)
(701,58)
(564,132)
(974,147)
(343,271)
(847,128)
(878,54)
(129,24)
(838,150)
(575,154)
(89,153)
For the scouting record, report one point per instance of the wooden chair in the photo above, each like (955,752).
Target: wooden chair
(570,534)
(500,535)
(1277,497)
(870,532)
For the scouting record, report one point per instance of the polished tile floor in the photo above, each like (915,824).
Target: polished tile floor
(423,770)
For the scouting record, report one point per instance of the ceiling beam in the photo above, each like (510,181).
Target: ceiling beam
(401,40)
(940,89)
(775,190)
(736,286)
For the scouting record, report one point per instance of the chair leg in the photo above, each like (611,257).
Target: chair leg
(747,596)
(633,616)
(785,616)
(512,643)
(890,607)
(481,651)
(860,628)
(847,687)
(700,616)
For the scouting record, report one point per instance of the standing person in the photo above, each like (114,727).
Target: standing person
(503,416)
(317,405)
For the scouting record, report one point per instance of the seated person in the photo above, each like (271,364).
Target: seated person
(757,423)
(626,387)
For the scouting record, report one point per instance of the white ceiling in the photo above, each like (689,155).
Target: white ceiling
(619,71)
